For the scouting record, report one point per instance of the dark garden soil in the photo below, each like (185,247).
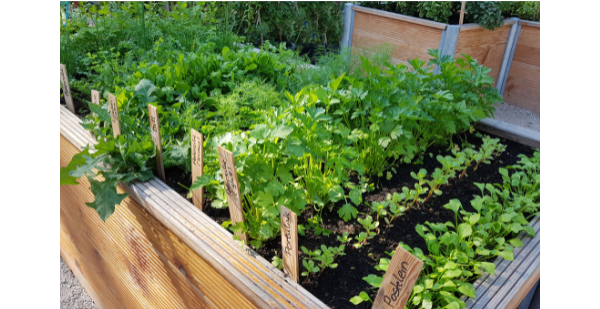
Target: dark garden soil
(81,108)
(336,286)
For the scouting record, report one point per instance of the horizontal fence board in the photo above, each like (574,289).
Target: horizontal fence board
(409,40)
(523,82)
(205,266)
(390,15)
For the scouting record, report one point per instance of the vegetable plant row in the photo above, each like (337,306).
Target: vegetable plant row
(317,148)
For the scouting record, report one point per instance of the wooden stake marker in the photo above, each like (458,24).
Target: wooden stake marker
(64,80)
(95,98)
(114,114)
(462,12)
(398,281)
(232,188)
(197,166)
(155,130)
(289,243)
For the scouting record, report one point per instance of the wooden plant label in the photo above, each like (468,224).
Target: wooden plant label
(232,188)
(197,166)
(398,281)
(155,130)
(289,243)
(64,79)
(114,114)
(95,97)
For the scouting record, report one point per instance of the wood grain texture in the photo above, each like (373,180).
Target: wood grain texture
(398,281)
(114,114)
(409,40)
(155,131)
(197,166)
(232,188)
(64,80)
(396,16)
(218,272)
(523,82)
(484,45)
(289,243)
(95,98)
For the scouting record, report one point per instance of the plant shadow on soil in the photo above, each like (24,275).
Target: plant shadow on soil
(81,108)
(336,286)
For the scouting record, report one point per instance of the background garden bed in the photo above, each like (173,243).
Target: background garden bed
(510,51)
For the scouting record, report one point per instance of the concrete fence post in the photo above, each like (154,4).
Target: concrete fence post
(509,52)
(448,42)
(348,27)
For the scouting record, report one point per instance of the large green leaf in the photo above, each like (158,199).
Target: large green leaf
(105,197)
(347,212)
(144,89)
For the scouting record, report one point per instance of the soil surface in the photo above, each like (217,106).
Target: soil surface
(81,108)
(336,286)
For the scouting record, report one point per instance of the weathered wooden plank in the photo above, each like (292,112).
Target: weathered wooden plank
(400,17)
(484,45)
(263,272)
(114,114)
(155,131)
(523,82)
(531,277)
(504,282)
(472,26)
(232,189)
(409,40)
(64,80)
(500,266)
(117,257)
(257,281)
(398,281)
(197,165)
(289,243)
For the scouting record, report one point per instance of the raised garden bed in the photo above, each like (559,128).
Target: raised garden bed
(515,67)
(167,242)
(331,144)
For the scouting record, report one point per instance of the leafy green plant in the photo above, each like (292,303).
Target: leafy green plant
(487,14)
(326,256)
(395,208)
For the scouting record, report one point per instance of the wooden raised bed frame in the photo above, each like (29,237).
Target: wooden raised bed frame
(523,83)
(512,51)
(159,251)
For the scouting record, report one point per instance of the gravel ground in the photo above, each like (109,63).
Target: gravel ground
(517,116)
(72,294)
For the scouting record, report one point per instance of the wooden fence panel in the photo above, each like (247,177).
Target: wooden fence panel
(523,83)
(484,45)
(408,39)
